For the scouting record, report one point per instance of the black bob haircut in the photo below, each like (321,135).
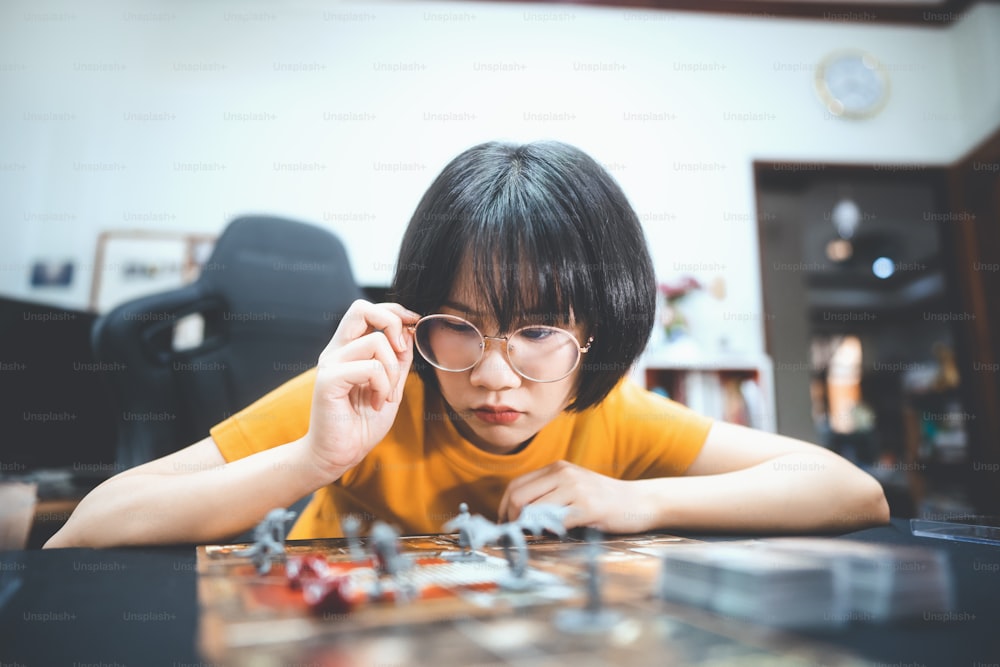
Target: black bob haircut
(548,234)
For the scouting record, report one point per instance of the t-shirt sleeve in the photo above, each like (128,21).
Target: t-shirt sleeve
(661,437)
(279,417)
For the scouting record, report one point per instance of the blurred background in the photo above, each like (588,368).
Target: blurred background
(817,183)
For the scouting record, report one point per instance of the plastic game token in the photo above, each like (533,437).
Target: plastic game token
(305,568)
(329,596)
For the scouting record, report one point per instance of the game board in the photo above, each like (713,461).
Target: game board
(460,615)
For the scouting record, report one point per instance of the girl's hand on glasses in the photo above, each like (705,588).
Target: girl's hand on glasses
(359,383)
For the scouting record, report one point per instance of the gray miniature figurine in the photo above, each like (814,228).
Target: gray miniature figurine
(535,519)
(388,561)
(384,542)
(515,550)
(269,539)
(461,524)
(476,531)
(351,526)
(468,534)
(594,616)
(595,604)
(540,517)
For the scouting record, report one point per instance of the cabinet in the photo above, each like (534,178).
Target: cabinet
(936,466)
(728,388)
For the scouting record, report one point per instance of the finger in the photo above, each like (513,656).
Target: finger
(364,317)
(524,480)
(560,497)
(401,338)
(404,361)
(504,501)
(404,313)
(520,493)
(398,363)
(374,347)
(576,517)
(364,373)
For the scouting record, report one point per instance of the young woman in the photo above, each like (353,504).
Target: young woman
(523,293)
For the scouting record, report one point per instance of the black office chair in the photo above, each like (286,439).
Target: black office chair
(271,295)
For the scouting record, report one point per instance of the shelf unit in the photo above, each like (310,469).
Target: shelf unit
(736,389)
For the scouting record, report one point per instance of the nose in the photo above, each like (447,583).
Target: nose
(493,371)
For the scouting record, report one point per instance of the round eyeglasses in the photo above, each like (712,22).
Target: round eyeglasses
(536,352)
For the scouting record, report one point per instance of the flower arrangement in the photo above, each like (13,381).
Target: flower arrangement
(672,319)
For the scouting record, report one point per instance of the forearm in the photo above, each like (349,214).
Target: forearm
(192,505)
(796,492)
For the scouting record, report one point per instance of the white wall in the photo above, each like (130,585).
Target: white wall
(975,42)
(135,115)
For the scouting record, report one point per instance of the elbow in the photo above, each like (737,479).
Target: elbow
(862,504)
(871,508)
(54,542)
(74,533)
(879,506)
(63,539)
(58,541)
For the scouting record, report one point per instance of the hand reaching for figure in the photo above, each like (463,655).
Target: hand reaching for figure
(608,504)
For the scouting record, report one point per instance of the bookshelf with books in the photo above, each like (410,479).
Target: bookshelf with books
(733,389)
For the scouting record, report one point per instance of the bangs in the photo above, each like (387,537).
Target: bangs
(527,264)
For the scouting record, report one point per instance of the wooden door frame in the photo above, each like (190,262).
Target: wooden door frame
(974,200)
(970,190)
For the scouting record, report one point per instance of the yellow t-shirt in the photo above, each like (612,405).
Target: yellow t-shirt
(423,469)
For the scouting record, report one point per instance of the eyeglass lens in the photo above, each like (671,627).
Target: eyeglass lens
(539,353)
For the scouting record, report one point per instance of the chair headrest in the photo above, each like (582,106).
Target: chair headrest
(261,264)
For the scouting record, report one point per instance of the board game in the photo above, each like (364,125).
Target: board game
(579,601)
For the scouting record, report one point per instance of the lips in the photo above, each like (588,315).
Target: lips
(496,414)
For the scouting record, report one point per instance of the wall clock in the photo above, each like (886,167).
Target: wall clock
(852,84)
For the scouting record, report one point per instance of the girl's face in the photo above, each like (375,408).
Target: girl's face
(494,408)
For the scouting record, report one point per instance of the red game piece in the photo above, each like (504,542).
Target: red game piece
(331,595)
(306,568)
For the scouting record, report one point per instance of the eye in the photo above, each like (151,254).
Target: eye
(457,327)
(537,333)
